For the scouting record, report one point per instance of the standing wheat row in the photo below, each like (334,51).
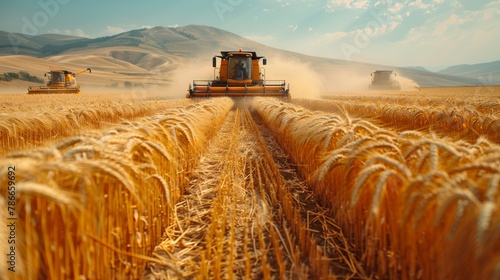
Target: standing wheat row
(416,206)
(93,207)
(28,122)
(462,122)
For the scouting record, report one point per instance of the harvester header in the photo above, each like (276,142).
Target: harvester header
(240,74)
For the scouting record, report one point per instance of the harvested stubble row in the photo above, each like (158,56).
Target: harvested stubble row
(460,123)
(417,207)
(93,207)
(240,219)
(29,121)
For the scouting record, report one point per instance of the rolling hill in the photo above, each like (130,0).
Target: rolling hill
(167,55)
(485,72)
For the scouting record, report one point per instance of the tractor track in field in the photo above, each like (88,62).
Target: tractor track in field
(247,214)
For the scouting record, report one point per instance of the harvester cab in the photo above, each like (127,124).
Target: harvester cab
(240,74)
(59,81)
(384,79)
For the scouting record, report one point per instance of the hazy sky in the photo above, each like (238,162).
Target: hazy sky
(431,33)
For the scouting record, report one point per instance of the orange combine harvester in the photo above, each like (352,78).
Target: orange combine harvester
(240,74)
(59,81)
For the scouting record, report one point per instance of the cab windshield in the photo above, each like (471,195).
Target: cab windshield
(57,77)
(240,67)
(382,76)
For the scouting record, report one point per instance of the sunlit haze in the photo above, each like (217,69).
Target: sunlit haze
(430,33)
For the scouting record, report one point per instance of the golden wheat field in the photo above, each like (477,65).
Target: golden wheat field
(377,185)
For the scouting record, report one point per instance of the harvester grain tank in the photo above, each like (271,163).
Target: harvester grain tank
(59,81)
(384,79)
(240,74)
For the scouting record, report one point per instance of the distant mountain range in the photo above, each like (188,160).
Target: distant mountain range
(156,52)
(487,73)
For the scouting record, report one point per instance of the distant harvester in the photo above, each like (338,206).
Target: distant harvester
(384,79)
(59,81)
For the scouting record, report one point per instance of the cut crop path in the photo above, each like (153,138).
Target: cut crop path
(247,214)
